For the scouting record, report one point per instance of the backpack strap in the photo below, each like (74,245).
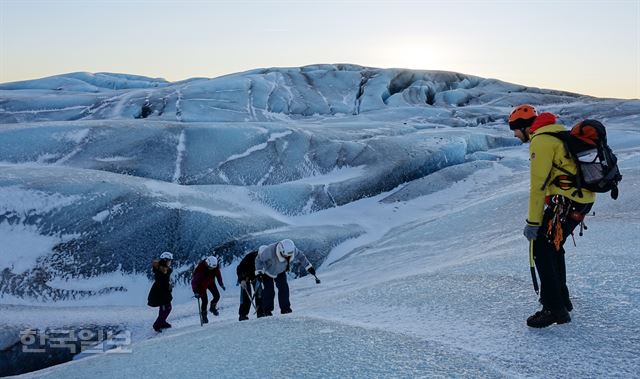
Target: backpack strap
(574,179)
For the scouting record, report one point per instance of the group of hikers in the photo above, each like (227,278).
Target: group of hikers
(559,199)
(259,273)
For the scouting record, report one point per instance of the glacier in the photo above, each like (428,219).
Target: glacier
(266,95)
(404,187)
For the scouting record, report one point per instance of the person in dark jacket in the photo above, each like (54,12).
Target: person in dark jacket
(203,279)
(160,293)
(246,276)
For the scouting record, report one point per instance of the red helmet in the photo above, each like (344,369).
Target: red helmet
(522,116)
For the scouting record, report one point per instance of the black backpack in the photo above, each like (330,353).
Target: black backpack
(597,165)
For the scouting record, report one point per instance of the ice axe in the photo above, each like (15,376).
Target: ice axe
(312,271)
(533,269)
(244,287)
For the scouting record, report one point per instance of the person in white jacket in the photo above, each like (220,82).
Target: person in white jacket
(272,263)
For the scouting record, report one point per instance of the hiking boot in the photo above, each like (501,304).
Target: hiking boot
(159,330)
(264,314)
(166,325)
(568,305)
(213,309)
(544,318)
(284,311)
(535,315)
(205,320)
(243,317)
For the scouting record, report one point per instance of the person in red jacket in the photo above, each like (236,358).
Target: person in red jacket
(204,278)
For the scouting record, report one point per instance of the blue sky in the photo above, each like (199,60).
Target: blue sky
(590,47)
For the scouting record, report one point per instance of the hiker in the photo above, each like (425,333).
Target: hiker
(547,228)
(203,279)
(246,279)
(272,264)
(160,293)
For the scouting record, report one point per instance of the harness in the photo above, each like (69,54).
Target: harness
(563,209)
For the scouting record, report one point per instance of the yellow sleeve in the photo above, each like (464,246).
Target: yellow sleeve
(541,157)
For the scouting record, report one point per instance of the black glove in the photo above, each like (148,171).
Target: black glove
(312,271)
(223,287)
(196,295)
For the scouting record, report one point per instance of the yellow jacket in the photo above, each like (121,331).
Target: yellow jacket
(544,152)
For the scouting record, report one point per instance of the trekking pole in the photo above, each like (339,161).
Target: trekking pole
(257,294)
(317,280)
(250,298)
(533,269)
(199,310)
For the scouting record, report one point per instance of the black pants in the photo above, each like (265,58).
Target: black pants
(268,294)
(203,296)
(163,313)
(550,264)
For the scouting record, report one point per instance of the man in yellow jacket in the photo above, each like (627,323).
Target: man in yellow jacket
(555,209)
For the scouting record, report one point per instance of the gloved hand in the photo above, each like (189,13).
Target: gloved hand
(196,295)
(531,232)
(243,284)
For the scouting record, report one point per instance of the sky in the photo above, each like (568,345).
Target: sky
(588,47)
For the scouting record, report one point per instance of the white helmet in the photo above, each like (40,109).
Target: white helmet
(212,261)
(166,255)
(285,248)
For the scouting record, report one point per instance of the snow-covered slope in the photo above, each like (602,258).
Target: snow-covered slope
(86,82)
(405,187)
(437,287)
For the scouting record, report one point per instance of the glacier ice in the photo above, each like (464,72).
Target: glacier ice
(225,164)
